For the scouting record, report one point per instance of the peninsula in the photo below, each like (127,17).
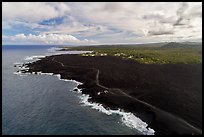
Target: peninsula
(167,96)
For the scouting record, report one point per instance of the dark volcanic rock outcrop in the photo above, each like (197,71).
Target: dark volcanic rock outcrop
(168,97)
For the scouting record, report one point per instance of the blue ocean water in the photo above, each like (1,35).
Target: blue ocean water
(45,105)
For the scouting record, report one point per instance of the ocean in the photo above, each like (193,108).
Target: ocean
(44,105)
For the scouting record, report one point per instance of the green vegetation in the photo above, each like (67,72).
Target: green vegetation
(148,55)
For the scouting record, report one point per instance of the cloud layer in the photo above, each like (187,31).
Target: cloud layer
(45,39)
(79,23)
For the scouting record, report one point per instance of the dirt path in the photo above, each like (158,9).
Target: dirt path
(157,110)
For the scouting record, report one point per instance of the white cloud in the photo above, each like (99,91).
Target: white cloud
(137,17)
(45,39)
(110,22)
(32,11)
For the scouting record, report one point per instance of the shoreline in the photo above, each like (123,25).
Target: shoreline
(128,118)
(90,86)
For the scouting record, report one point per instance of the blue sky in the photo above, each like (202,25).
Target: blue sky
(100,23)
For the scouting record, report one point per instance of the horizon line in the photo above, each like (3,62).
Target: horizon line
(97,44)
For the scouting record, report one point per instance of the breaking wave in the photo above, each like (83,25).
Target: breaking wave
(127,118)
(29,58)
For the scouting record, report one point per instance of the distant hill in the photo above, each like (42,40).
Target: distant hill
(145,45)
(118,45)
(183,45)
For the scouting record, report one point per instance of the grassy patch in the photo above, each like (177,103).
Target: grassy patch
(147,55)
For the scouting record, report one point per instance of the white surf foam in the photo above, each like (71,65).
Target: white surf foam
(17,73)
(77,90)
(70,80)
(51,51)
(47,74)
(20,73)
(18,63)
(129,119)
(34,57)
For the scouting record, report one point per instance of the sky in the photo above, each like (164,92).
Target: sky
(85,23)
